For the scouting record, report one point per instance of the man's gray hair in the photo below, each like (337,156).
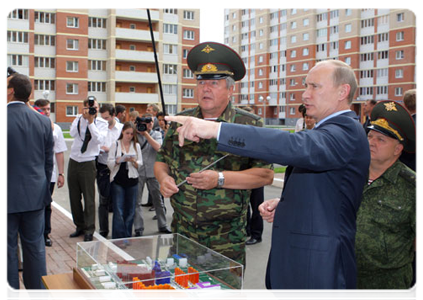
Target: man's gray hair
(229,82)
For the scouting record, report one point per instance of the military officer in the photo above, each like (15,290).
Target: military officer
(211,207)
(386,220)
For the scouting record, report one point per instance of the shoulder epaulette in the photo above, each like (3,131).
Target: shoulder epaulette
(246,113)
(409,175)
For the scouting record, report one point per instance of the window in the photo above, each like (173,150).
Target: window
(97,65)
(45,18)
(367,23)
(72,88)
(44,85)
(188,15)
(170,28)
(400,36)
(19,14)
(97,44)
(382,73)
(294,53)
(334,29)
(383,54)
(305,66)
(293,25)
(306,22)
(97,22)
(132,47)
(322,32)
(96,86)
(293,68)
(367,40)
(348,12)
(185,53)
(72,44)
(306,52)
(381,90)
(383,37)
(398,91)
(170,69)
(348,27)
(17,60)
(293,39)
(132,89)
(189,34)
(334,14)
(400,17)
(348,45)
(44,62)
(170,89)
(132,68)
(71,111)
(348,61)
(72,22)
(334,45)
(172,11)
(72,66)
(306,36)
(188,73)
(132,26)
(322,17)
(17,37)
(292,82)
(399,73)
(188,93)
(399,54)
(170,49)
(366,57)
(292,110)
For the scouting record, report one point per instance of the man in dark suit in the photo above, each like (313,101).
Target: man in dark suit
(315,219)
(29,168)
(367,109)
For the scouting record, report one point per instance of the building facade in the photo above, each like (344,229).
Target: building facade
(280,46)
(71,54)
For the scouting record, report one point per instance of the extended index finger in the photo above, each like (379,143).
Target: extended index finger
(178,119)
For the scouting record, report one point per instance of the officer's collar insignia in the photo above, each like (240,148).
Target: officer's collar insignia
(209,68)
(385,125)
(207,49)
(390,106)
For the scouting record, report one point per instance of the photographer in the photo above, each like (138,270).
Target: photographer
(150,142)
(89,133)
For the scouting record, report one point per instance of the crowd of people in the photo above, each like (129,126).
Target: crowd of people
(346,217)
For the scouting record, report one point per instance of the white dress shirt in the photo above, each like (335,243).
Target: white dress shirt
(98,130)
(112,136)
(59,146)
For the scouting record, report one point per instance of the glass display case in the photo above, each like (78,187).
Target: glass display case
(167,261)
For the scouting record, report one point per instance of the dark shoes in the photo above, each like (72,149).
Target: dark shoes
(152,209)
(252,241)
(147,204)
(155,218)
(104,234)
(76,233)
(48,241)
(164,230)
(138,233)
(88,237)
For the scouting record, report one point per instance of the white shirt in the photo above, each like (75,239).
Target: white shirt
(111,138)
(59,146)
(116,152)
(98,130)
(331,116)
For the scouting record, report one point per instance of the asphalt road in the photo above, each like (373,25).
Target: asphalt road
(256,254)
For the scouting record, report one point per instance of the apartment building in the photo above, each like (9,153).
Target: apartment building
(70,54)
(280,46)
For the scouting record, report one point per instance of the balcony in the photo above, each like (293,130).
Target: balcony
(136,77)
(142,56)
(135,34)
(136,98)
(137,14)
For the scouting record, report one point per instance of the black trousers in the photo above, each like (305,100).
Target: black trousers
(254,219)
(47,213)
(104,203)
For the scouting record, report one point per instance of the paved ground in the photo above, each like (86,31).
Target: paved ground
(61,257)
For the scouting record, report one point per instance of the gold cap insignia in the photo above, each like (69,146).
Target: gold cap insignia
(207,49)
(385,125)
(390,106)
(209,68)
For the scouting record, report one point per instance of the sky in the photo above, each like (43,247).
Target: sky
(212,25)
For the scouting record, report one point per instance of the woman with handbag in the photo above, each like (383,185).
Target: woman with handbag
(123,161)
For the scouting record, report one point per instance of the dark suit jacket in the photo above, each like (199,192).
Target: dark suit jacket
(29,159)
(412,160)
(315,222)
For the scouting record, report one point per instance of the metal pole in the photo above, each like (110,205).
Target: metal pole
(157,61)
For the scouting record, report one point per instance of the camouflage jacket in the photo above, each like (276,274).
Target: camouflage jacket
(386,222)
(206,215)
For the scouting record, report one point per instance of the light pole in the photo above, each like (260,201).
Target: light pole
(261,99)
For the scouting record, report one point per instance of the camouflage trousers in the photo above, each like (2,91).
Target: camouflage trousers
(227,238)
(386,284)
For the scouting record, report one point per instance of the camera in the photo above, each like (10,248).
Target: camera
(91,110)
(10,71)
(140,122)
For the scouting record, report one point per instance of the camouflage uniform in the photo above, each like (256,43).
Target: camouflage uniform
(215,218)
(386,227)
